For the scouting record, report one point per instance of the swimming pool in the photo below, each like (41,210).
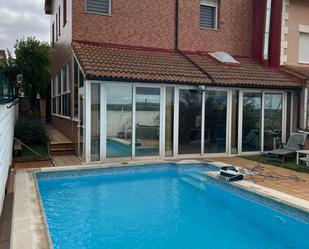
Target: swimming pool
(160,206)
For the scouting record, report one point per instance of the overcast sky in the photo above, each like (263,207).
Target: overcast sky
(22,18)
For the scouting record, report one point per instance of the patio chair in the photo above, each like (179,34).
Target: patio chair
(296,142)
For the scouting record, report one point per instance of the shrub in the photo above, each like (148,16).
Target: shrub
(31,131)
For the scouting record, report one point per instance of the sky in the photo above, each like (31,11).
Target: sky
(22,18)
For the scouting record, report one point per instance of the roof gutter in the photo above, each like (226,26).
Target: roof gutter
(177,44)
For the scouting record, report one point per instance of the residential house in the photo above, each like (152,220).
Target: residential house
(295,48)
(169,78)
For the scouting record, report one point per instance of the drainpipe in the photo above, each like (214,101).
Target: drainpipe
(177,44)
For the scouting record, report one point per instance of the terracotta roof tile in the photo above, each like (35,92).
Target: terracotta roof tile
(301,70)
(140,64)
(247,73)
(137,64)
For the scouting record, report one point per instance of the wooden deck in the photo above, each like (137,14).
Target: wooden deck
(69,160)
(64,149)
(56,136)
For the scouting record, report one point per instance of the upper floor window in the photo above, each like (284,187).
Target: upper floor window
(56,27)
(59,21)
(303,51)
(98,6)
(209,14)
(53,35)
(64,12)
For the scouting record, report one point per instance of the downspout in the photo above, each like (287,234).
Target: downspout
(177,44)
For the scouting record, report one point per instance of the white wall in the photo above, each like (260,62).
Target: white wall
(7,121)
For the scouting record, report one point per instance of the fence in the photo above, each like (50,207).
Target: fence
(7,122)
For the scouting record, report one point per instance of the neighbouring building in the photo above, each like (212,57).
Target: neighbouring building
(295,48)
(169,78)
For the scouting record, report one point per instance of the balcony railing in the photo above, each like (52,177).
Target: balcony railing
(7,93)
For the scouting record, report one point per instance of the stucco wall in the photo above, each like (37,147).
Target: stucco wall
(7,121)
(296,13)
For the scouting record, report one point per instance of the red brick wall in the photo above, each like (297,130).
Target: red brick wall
(233,35)
(66,126)
(146,23)
(152,24)
(61,53)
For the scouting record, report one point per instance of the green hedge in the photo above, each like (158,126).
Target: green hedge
(31,131)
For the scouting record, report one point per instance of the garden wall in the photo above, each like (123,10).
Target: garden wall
(7,121)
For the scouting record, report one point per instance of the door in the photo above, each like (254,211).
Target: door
(81,150)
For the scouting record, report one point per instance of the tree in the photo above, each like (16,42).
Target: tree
(32,62)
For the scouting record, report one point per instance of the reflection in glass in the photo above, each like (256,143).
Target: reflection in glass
(81,127)
(252,114)
(234,123)
(288,114)
(147,121)
(190,119)
(272,120)
(169,121)
(119,121)
(95,122)
(215,121)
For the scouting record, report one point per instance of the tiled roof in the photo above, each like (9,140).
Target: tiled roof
(301,70)
(247,73)
(136,64)
(139,64)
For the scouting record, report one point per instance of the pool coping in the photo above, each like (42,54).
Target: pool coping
(30,224)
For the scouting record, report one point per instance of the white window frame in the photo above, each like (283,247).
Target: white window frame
(240,117)
(62,93)
(302,31)
(214,4)
(100,13)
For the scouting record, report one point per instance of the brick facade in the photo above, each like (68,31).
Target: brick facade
(234,33)
(152,24)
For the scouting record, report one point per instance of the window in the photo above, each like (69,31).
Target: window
(99,6)
(56,27)
(64,12)
(59,21)
(53,35)
(209,14)
(75,82)
(61,93)
(303,51)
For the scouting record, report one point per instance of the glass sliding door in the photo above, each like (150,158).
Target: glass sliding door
(251,121)
(169,121)
(234,121)
(81,128)
(95,121)
(272,120)
(147,121)
(118,121)
(215,121)
(190,120)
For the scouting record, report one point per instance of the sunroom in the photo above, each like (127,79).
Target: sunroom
(137,103)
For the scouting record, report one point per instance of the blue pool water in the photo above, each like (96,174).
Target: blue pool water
(115,149)
(165,207)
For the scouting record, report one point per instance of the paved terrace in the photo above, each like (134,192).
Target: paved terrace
(284,180)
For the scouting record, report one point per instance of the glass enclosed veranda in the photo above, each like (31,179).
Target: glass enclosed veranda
(123,121)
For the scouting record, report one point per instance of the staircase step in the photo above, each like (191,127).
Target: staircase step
(62,148)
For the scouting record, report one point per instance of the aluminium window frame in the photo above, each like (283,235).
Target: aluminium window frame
(99,13)
(60,94)
(210,3)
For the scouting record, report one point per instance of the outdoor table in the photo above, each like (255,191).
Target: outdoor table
(303,156)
